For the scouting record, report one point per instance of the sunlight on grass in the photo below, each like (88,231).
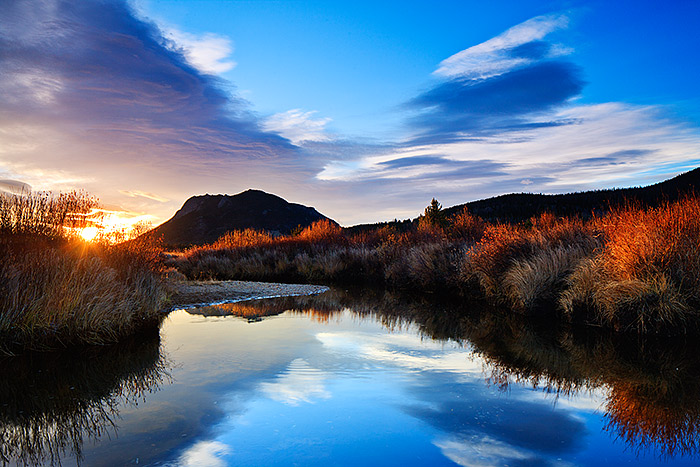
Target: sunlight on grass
(64,281)
(110,226)
(632,268)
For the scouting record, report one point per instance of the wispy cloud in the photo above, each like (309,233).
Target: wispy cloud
(399,350)
(209,53)
(515,100)
(299,383)
(144,194)
(482,452)
(94,96)
(298,126)
(504,116)
(520,45)
(205,454)
(14,187)
(509,83)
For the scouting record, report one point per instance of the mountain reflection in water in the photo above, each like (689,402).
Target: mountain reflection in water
(52,403)
(295,385)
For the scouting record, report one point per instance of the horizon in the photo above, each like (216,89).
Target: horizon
(419,212)
(363,111)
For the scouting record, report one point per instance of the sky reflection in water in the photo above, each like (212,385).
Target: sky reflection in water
(345,388)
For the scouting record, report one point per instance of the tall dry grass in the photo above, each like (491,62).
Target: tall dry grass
(631,269)
(646,276)
(43,214)
(56,290)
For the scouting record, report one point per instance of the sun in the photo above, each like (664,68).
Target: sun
(89,233)
(108,226)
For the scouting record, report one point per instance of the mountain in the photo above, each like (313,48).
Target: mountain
(203,219)
(518,207)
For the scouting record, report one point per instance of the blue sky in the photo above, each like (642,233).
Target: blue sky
(354,61)
(365,110)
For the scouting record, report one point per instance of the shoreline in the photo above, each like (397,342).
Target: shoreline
(193,294)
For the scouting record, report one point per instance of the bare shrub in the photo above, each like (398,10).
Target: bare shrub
(536,282)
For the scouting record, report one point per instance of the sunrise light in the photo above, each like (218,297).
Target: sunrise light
(112,226)
(89,233)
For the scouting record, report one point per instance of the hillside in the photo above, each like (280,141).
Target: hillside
(203,219)
(521,206)
(517,207)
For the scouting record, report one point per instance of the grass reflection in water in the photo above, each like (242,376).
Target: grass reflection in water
(54,402)
(651,383)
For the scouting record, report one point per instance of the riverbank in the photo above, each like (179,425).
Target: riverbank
(188,294)
(631,269)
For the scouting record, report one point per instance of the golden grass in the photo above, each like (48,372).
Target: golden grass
(646,276)
(631,269)
(44,214)
(56,290)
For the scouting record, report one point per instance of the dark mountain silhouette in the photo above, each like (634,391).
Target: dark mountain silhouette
(518,207)
(521,206)
(203,219)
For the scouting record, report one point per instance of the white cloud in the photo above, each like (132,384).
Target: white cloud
(14,187)
(298,126)
(205,454)
(556,153)
(399,350)
(299,383)
(481,452)
(209,53)
(39,87)
(492,57)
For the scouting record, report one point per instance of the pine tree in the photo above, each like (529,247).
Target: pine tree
(434,215)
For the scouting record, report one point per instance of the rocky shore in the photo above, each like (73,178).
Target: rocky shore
(192,293)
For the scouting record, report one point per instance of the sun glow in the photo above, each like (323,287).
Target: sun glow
(89,233)
(112,226)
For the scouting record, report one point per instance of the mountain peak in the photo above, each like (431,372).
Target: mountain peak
(205,218)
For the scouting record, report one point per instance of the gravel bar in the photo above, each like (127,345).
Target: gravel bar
(198,293)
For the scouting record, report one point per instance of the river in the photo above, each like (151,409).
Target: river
(356,378)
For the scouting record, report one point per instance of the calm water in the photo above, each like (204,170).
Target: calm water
(342,379)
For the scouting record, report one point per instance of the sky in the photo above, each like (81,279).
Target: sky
(364,110)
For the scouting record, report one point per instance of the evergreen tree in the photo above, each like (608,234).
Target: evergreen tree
(434,215)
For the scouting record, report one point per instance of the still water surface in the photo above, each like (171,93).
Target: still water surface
(341,380)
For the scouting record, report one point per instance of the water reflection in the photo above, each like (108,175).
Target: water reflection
(318,380)
(51,404)
(651,385)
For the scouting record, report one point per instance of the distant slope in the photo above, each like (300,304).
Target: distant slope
(522,206)
(203,219)
(517,207)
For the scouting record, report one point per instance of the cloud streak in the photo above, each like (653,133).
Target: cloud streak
(208,53)
(508,101)
(518,46)
(503,116)
(298,126)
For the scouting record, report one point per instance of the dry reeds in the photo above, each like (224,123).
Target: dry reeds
(43,214)
(631,269)
(56,290)
(646,276)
